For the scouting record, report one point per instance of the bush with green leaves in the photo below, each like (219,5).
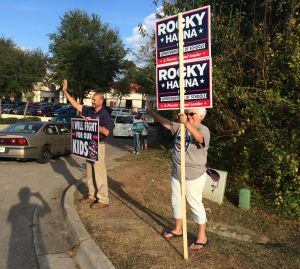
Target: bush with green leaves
(15,120)
(254,122)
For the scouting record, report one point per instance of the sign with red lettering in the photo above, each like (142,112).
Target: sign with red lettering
(196,36)
(197,85)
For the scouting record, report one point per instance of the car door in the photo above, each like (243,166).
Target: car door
(54,139)
(65,132)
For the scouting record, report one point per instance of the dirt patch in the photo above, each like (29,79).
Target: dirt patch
(128,231)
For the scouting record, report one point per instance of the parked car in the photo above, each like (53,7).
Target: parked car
(20,109)
(10,108)
(35,140)
(115,112)
(69,110)
(41,110)
(64,119)
(123,125)
(6,101)
(120,111)
(4,106)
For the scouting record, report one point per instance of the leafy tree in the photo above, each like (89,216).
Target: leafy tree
(20,70)
(254,122)
(122,86)
(85,51)
(145,57)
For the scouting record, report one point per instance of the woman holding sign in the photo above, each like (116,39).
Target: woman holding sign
(96,170)
(196,145)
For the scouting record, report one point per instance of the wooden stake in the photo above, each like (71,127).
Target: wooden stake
(182,137)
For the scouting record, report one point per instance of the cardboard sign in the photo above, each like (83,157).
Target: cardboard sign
(196,36)
(85,138)
(197,85)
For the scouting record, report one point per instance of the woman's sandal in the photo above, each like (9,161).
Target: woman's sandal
(169,231)
(199,244)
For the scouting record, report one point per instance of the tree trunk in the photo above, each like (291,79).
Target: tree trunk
(25,110)
(120,100)
(0,108)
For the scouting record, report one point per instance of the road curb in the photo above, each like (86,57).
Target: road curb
(89,255)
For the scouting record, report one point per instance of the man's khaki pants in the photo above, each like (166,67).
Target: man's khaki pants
(97,177)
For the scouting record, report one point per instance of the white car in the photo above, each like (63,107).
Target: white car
(123,125)
(120,111)
(115,112)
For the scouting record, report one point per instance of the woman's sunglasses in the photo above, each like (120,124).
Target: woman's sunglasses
(190,114)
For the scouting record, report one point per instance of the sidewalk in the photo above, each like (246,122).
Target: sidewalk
(51,244)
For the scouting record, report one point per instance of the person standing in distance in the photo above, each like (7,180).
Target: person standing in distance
(96,170)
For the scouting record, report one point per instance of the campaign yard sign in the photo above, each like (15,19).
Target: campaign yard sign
(196,36)
(197,85)
(85,138)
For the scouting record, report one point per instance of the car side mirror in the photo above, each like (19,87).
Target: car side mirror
(49,120)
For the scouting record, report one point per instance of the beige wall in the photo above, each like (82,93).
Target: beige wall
(136,98)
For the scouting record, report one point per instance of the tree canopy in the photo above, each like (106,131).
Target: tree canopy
(20,69)
(85,51)
(256,71)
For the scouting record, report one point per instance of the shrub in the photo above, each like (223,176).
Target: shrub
(15,120)
(254,122)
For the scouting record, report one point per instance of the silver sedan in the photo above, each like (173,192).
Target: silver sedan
(35,140)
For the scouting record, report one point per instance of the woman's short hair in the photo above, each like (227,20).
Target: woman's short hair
(201,111)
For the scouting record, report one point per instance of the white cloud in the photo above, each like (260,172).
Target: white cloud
(137,39)
(23,48)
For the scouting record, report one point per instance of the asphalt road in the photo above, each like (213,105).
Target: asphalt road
(23,185)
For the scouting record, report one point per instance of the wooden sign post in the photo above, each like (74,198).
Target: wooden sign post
(182,137)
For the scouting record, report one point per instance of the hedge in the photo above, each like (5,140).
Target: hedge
(15,120)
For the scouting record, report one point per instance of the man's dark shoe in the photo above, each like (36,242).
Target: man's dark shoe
(98,205)
(87,200)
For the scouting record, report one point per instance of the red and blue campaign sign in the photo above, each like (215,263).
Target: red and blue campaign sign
(85,138)
(197,85)
(196,36)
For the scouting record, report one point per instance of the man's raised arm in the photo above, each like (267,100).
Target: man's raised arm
(69,97)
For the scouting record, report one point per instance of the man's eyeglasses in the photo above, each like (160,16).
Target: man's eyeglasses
(190,114)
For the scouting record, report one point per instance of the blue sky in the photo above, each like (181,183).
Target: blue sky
(28,22)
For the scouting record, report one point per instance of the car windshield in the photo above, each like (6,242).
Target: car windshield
(24,127)
(124,120)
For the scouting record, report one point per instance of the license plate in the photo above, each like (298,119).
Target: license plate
(2,149)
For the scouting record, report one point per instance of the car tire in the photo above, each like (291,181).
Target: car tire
(44,155)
